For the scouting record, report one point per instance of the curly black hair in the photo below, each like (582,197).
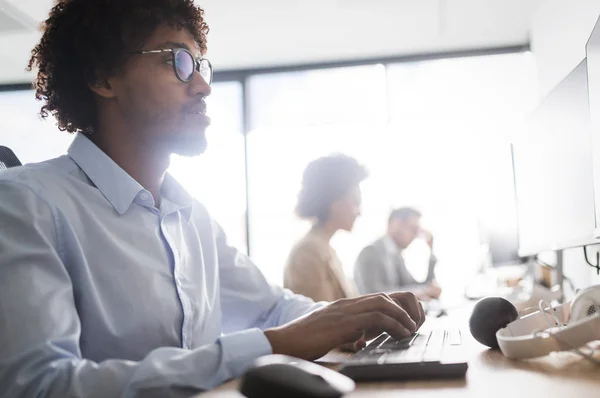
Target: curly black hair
(326,180)
(85,42)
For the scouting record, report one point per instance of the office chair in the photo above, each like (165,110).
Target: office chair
(8,158)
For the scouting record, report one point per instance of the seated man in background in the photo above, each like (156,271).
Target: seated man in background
(330,198)
(114,281)
(380,266)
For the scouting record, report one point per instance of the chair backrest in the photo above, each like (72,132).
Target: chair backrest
(8,158)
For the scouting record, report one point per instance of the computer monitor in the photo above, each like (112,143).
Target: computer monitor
(498,226)
(593,70)
(504,249)
(554,170)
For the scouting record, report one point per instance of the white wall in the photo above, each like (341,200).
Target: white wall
(559,32)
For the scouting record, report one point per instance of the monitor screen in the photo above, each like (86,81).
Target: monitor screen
(553,168)
(593,70)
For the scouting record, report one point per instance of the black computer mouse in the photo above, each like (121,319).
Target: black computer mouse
(277,376)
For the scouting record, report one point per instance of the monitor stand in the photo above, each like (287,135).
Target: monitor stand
(560,276)
(525,296)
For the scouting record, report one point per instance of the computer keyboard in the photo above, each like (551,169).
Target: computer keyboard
(427,354)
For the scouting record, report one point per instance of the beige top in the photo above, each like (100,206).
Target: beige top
(314,270)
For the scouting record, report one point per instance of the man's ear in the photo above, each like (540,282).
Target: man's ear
(103,88)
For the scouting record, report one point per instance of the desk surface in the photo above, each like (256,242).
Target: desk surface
(490,375)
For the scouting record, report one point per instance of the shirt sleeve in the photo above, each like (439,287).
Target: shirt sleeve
(40,325)
(247,299)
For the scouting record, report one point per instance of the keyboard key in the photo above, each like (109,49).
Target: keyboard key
(435,346)
(378,341)
(436,339)
(413,354)
(454,337)
(422,338)
(393,344)
(370,354)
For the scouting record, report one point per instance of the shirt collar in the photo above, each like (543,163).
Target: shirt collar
(175,193)
(118,187)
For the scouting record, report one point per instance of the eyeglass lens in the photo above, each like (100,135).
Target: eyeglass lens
(185,65)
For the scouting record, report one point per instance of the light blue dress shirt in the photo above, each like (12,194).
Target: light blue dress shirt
(104,295)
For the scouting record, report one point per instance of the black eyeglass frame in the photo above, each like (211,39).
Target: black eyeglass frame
(197,63)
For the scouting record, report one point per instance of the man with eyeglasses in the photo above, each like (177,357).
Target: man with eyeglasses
(114,281)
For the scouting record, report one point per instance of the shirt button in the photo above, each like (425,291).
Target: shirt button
(144,196)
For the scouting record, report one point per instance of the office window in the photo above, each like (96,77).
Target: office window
(318,97)
(453,121)
(295,118)
(21,129)
(427,131)
(217,177)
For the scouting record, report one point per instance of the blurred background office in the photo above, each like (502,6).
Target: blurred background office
(426,94)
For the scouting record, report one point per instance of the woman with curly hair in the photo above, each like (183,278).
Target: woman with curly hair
(114,281)
(330,198)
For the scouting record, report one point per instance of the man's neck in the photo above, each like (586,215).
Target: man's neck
(142,162)
(393,242)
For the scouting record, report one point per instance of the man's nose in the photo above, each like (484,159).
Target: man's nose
(199,86)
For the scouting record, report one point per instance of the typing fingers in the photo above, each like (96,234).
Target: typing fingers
(382,322)
(409,302)
(382,303)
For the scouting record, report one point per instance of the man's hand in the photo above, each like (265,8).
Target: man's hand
(428,238)
(348,322)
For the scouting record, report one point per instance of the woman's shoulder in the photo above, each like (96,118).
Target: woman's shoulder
(310,245)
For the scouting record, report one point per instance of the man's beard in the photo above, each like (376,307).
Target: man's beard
(182,137)
(189,145)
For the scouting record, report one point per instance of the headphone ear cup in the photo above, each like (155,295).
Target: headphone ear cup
(490,315)
(585,304)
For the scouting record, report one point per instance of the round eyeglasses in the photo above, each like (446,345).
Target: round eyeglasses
(185,64)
